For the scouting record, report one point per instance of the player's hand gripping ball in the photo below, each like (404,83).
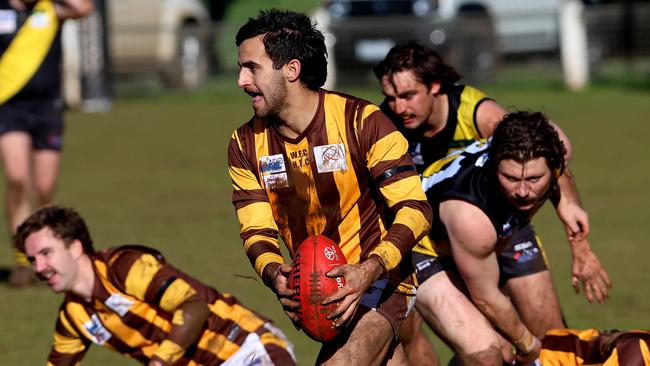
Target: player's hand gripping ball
(316,256)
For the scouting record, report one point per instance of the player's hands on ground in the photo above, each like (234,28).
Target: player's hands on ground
(277,278)
(587,272)
(576,221)
(155,363)
(358,278)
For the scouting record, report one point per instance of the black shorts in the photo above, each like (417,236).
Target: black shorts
(42,120)
(523,255)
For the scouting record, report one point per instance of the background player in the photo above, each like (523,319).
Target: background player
(317,162)
(437,115)
(31,108)
(131,300)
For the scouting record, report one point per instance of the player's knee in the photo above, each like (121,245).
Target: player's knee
(17,184)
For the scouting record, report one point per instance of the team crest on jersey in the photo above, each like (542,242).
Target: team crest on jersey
(8,21)
(330,158)
(98,333)
(274,171)
(39,20)
(118,304)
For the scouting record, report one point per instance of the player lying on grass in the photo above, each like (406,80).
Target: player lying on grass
(437,115)
(311,162)
(131,300)
(481,197)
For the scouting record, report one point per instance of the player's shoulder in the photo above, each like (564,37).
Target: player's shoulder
(120,259)
(351,102)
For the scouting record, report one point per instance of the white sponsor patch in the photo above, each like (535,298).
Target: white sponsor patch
(524,245)
(118,304)
(275,181)
(98,333)
(330,158)
(8,21)
(272,164)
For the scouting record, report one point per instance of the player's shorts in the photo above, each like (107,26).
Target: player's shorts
(393,304)
(266,347)
(42,120)
(523,255)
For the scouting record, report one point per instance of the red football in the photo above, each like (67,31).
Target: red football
(314,257)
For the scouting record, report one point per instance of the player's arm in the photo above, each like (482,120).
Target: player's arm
(258,229)
(488,115)
(392,169)
(68,348)
(473,240)
(587,271)
(393,172)
(73,9)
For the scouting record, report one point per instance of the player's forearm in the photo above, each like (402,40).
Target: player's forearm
(187,326)
(412,222)
(500,312)
(568,189)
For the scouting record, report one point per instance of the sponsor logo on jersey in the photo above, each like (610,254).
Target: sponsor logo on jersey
(118,304)
(98,333)
(274,171)
(330,158)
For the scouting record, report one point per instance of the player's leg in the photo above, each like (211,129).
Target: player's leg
(15,153)
(368,343)
(46,173)
(455,319)
(536,301)
(417,346)
(47,147)
(529,283)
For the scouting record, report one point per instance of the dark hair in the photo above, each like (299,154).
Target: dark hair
(65,223)
(425,63)
(289,35)
(522,136)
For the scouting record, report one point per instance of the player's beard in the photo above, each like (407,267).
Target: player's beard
(275,98)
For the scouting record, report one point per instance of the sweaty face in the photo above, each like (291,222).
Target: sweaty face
(265,85)
(51,260)
(408,98)
(524,184)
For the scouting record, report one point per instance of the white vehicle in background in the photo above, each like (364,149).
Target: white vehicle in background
(470,34)
(170,37)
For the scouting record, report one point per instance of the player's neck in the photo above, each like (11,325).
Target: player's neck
(298,112)
(84,280)
(437,120)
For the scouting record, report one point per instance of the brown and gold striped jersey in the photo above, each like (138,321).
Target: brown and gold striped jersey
(133,300)
(348,176)
(564,347)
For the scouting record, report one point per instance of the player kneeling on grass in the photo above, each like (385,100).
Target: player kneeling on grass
(481,196)
(129,299)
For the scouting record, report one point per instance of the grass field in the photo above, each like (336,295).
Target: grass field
(153,171)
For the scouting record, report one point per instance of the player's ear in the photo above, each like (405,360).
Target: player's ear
(77,248)
(435,88)
(292,70)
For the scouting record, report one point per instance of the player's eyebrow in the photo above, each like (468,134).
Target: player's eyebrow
(248,64)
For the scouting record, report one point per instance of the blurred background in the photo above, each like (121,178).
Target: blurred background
(151,86)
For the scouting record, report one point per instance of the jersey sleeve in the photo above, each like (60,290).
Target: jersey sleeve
(148,277)
(392,169)
(68,348)
(258,229)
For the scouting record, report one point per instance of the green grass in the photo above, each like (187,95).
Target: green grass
(153,171)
